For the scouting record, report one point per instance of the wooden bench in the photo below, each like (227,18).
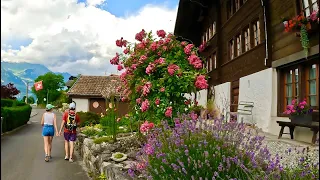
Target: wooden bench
(314,127)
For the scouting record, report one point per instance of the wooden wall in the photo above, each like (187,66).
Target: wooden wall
(248,62)
(285,44)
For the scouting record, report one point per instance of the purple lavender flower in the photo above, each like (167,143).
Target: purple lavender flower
(131,172)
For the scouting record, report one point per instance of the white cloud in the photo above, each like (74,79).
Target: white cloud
(73,37)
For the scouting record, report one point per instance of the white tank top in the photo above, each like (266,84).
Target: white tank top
(48,118)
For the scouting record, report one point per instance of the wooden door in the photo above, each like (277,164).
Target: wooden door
(234,96)
(97,105)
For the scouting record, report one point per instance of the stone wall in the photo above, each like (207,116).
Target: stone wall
(97,157)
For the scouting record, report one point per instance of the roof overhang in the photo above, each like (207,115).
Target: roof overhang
(189,18)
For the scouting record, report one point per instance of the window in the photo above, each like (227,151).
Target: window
(207,36)
(208,65)
(300,82)
(312,90)
(213,28)
(238,4)
(231,49)
(239,45)
(247,39)
(203,39)
(256,33)
(291,85)
(229,9)
(308,6)
(214,61)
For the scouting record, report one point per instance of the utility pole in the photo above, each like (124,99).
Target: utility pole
(47,96)
(26,100)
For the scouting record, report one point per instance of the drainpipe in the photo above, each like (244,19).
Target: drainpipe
(265,31)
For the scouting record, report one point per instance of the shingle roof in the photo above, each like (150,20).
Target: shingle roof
(103,86)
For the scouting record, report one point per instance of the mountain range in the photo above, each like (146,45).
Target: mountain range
(18,73)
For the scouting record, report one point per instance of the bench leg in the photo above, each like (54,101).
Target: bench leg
(314,137)
(281,132)
(291,128)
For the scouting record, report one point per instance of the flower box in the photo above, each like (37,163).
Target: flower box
(301,119)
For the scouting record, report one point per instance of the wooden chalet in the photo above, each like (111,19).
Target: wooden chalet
(250,57)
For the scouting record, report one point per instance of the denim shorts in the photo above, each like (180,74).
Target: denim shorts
(47,130)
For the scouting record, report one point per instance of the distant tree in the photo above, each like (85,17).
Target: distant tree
(31,99)
(9,91)
(51,82)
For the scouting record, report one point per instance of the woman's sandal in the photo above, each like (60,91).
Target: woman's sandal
(46,159)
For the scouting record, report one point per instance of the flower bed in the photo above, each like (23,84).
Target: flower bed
(199,150)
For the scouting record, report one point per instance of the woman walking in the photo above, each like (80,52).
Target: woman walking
(49,123)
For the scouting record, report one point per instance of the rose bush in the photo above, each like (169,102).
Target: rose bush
(157,72)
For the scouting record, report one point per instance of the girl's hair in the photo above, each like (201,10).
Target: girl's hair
(48,110)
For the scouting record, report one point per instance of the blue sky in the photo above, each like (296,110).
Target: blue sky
(121,8)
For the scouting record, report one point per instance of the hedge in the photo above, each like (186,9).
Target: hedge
(11,103)
(14,117)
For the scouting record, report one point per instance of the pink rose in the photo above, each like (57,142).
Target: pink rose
(161,33)
(157,101)
(195,61)
(150,68)
(115,60)
(120,67)
(201,82)
(145,105)
(172,69)
(139,36)
(168,112)
(188,49)
(121,42)
(162,89)
(153,46)
(126,51)
(138,101)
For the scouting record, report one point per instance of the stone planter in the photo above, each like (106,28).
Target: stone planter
(302,119)
(97,158)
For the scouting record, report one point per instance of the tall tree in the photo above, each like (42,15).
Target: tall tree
(51,83)
(9,91)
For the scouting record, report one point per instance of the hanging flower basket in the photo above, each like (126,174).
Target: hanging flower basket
(301,26)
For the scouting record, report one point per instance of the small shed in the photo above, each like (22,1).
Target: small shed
(90,93)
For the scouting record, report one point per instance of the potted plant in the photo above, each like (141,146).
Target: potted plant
(196,109)
(211,110)
(300,112)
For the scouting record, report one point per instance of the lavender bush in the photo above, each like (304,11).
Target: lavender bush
(195,149)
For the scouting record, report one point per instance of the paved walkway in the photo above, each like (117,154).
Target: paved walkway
(22,155)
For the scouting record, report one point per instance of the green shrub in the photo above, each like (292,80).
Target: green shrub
(88,118)
(14,117)
(6,102)
(103,139)
(90,132)
(19,103)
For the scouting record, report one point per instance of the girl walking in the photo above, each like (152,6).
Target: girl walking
(49,123)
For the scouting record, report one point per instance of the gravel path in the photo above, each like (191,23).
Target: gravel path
(290,153)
